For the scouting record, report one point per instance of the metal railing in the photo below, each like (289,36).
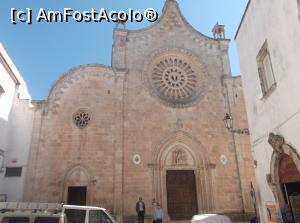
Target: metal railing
(30,206)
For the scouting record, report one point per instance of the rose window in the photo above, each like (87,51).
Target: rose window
(175,76)
(81,119)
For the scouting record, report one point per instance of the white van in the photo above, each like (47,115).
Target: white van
(20,212)
(86,214)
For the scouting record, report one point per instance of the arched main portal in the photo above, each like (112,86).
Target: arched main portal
(77,186)
(284,178)
(181,180)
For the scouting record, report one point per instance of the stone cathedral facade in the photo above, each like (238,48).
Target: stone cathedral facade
(151,125)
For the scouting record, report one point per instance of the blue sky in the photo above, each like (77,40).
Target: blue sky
(44,51)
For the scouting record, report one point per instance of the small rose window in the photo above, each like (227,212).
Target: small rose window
(81,119)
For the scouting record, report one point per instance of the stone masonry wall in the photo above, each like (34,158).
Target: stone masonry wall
(130,118)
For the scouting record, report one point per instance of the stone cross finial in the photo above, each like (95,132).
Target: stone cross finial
(219,31)
(120,21)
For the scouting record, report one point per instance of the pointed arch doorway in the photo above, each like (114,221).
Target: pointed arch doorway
(180,170)
(77,186)
(289,179)
(284,178)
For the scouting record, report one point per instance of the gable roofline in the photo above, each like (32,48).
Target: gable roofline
(242,20)
(182,17)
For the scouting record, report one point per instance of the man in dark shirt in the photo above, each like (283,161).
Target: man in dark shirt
(140,210)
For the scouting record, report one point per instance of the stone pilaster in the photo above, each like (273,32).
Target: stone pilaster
(224,46)
(119,49)
(119,145)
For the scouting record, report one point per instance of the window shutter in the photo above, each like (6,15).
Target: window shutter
(13,171)
(298,1)
(261,79)
(268,72)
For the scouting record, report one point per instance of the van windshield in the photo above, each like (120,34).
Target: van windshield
(75,216)
(99,216)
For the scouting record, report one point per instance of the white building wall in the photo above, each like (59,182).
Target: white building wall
(276,21)
(6,103)
(16,118)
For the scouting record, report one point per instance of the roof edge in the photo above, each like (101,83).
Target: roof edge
(242,20)
(8,65)
(71,70)
(183,18)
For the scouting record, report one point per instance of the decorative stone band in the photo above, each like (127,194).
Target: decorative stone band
(240,131)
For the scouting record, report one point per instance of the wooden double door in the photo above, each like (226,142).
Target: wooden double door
(77,195)
(181,194)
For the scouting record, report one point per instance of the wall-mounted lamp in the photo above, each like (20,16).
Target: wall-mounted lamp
(228,121)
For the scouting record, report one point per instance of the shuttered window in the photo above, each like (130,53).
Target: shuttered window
(298,1)
(13,171)
(265,70)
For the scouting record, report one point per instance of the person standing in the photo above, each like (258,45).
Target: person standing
(140,210)
(158,214)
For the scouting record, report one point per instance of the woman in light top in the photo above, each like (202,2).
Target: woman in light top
(158,213)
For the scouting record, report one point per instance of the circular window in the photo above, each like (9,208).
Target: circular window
(174,77)
(81,119)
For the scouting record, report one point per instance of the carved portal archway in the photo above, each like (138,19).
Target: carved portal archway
(281,150)
(181,151)
(78,176)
